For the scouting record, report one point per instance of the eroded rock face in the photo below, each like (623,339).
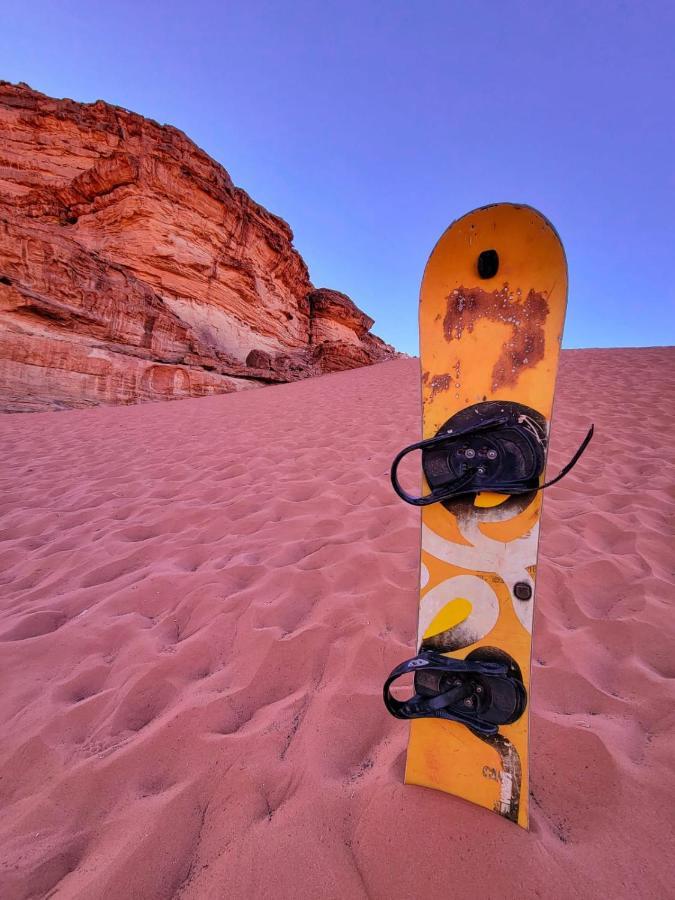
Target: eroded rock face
(131,268)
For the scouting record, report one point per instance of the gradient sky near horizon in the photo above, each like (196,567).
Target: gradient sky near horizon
(370,126)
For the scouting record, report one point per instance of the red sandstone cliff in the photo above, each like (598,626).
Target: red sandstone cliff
(131,268)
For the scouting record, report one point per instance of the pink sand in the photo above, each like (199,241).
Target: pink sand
(200,603)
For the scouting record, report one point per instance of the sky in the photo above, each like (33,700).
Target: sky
(370,126)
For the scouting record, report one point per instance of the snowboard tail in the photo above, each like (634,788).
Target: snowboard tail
(492,309)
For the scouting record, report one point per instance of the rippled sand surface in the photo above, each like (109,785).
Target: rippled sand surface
(199,604)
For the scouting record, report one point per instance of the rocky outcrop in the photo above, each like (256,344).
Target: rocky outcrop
(131,268)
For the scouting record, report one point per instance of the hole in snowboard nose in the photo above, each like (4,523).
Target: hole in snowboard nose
(488,264)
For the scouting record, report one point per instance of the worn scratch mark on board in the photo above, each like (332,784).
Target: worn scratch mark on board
(439,383)
(525,317)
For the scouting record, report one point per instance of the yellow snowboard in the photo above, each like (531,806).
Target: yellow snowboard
(492,309)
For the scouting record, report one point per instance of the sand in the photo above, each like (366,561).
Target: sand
(200,602)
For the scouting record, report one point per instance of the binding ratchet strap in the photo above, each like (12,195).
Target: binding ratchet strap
(505,454)
(570,465)
(481,694)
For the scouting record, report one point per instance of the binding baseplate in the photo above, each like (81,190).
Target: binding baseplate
(483,691)
(495,446)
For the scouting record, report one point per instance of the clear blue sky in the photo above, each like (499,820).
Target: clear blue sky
(369,126)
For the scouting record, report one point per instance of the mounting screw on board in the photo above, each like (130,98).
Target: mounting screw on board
(522,590)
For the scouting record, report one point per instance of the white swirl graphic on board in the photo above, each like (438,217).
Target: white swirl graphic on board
(424,576)
(508,560)
(482,617)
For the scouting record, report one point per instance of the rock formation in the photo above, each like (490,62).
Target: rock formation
(131,268)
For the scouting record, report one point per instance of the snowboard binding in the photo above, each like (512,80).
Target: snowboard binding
(496,446)
(483,691)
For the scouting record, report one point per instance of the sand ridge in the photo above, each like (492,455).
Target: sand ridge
(201,600)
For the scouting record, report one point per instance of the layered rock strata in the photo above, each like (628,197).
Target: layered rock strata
(132,268)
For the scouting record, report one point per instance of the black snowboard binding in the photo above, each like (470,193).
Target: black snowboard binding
(483,691)
(494,446)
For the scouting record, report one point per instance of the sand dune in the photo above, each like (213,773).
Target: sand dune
(201,601)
